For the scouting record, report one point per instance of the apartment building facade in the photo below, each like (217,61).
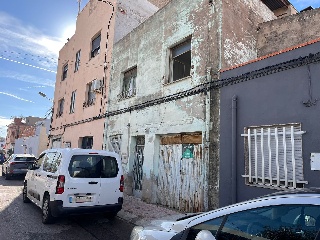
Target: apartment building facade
(81,89)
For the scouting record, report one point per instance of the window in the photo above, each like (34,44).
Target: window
(129,83)
(180,61)
(90,94)
(273,222)
(84,166)
(51,162)
(73,99)
(95,46)
(77,62)
(273,156)
(86,142)
(60,107)
(65,72)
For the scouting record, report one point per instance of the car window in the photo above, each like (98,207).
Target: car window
(51,161)
(211,225)
(276,222)
(25,159)
(93,166)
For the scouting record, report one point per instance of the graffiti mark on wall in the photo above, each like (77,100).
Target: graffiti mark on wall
(138,163)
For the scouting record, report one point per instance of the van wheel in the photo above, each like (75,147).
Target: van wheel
(24,193)
(46,210)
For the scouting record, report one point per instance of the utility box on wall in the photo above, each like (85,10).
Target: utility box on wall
(315,161)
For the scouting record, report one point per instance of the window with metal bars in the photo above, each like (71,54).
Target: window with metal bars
(129,83)
(273,156)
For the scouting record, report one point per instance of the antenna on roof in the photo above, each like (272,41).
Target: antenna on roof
(79,2)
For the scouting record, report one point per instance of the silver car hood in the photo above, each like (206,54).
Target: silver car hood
(173,224)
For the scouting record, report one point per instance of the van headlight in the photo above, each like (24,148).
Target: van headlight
(135,234)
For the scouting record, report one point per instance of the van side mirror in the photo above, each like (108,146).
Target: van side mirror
(205,235)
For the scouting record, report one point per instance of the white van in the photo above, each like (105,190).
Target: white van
(75,181)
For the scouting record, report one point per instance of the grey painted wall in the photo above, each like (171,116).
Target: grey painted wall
(273,99)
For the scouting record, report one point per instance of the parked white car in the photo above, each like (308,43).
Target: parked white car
(285,215)
(75,181)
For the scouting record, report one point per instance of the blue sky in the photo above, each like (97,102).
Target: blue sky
(31,34)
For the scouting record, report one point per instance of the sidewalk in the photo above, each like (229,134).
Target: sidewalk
(136,211)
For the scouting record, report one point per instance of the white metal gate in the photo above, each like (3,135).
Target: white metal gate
(181,177)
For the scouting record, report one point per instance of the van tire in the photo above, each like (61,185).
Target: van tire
(24,193)
(47,217)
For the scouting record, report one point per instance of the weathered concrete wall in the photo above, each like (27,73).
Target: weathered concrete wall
(130,14)
(159,3)
(239,29)
(217,41)
(147,48)
(276,35)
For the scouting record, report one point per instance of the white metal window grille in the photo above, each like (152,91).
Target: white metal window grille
(129,83)
(73,100)
(77,62)
(273,156)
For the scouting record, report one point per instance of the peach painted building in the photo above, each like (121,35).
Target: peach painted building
(81,90)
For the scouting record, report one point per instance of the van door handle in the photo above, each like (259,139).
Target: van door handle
(93,182)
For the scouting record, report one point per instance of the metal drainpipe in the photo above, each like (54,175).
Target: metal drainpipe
(234,150)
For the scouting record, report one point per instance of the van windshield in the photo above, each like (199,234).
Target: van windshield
(93,166)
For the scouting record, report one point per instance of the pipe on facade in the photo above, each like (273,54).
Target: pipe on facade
(234,150)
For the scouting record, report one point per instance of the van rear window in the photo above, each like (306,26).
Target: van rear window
(93,166)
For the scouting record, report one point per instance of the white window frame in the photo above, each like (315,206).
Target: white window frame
(269,161)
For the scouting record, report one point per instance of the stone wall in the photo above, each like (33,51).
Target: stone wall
(276,35)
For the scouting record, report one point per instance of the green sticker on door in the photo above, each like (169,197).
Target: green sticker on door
(187,151)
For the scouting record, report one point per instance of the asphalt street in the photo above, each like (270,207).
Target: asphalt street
(22,221)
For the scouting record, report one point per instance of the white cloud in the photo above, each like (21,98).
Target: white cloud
(14,96)
(27,78)
(17,37)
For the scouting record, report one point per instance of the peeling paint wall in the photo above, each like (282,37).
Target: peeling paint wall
(277,35)
(240,30)
(215,42)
